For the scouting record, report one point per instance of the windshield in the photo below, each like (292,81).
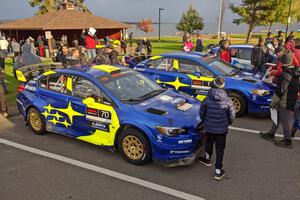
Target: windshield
(220,66)
(131,86)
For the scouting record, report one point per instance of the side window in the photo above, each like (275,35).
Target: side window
(165,64)
(44,82)
(190,67)
(245,54)
(55,82)
(83,88)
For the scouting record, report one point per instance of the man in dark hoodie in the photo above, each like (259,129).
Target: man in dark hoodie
(258,56)
(284,100)
(217,113)
(26,58)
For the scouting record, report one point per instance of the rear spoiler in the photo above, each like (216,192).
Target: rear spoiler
(26,73)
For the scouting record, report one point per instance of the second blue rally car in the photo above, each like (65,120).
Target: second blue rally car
(192,73)
(114,107)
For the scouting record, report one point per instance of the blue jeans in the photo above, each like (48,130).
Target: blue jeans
(91,53)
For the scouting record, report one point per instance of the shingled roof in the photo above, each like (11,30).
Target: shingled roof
(63,20)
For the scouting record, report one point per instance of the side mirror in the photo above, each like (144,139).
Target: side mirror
(198,74)
(89,100)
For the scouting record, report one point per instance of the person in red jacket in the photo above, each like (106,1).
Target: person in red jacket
(90,44)
(224,52)
(291,46)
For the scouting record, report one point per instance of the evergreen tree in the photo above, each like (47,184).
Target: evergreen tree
(190,21)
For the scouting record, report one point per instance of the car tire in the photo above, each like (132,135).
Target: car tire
(36,122)
(134,146)
(239,104)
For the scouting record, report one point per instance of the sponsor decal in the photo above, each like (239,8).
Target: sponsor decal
(159,138)
(184,106)
(100,126)
(30,88)
(98,115)
(177,100)
(188,141)
(139,69)
(179,151)
(165,98)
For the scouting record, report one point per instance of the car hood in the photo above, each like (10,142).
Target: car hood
(247,76)
(171,109)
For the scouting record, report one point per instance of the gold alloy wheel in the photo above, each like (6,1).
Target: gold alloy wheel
(133,147)
(35,121)
(236,104)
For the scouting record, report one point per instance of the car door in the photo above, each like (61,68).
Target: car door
(164,71)
(100,121)
(244,58)
(196,76)
(55,92)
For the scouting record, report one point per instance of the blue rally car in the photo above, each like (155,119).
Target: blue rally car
(192,73)
(114,107)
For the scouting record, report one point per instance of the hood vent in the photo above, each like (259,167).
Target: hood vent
(156,111)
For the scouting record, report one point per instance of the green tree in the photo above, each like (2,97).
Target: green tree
(46,6)
(278,12)
(253,13)
(190,21)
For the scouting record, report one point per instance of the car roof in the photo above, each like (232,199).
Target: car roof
(96,70)
(238,46)
(182,54)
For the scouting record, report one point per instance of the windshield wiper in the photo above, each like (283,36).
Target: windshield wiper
(131,100)
(152,94)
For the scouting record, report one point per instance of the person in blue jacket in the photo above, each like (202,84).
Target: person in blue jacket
(217,113)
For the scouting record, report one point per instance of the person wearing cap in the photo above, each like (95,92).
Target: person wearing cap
(112,54)
(284,101)
(217,113)
(258,56)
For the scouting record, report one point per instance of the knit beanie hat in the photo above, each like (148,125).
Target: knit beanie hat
(287,59)
(218,82)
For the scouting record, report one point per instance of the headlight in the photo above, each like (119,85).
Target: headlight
(261,92)
(170,131)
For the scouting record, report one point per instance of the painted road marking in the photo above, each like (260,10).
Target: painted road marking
(100,170)
(256,132)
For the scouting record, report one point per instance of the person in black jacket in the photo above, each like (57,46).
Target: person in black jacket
(258,56)
(112,54)
(217,113)
(284,100)
(199,44)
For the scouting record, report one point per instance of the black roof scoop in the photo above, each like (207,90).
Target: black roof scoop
(156,111)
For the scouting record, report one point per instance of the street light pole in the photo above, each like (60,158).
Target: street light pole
(220,19)
(289,19)
(159,10)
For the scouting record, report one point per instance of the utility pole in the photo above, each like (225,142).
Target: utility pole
(159,10)
(220,19)
(289,19)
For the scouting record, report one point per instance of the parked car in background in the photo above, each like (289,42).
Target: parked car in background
(192,73)
(241,56)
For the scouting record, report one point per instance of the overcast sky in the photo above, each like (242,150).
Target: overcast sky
(128,10)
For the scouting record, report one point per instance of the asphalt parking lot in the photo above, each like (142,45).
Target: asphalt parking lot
(57,167)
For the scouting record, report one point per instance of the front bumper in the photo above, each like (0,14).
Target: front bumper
(259,104)
(180,156)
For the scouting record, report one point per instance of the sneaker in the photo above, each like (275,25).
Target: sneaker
(267,135)
(205,162)
(286,143)
(5,114)
(219,174)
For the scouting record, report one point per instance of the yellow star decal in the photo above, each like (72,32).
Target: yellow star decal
(65,123)
(57,115)
(70,112)
(54,121)
(46,114)
(177,84)
(49,108)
